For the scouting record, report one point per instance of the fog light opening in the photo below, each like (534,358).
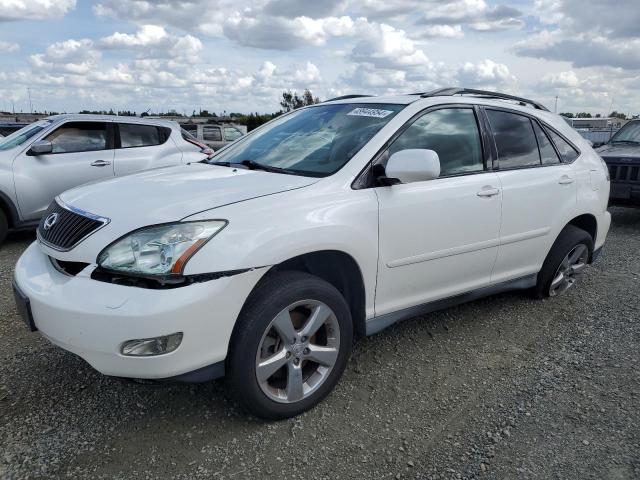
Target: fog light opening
(148,347)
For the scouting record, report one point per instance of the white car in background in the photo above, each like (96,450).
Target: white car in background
(60,152)
(327,224)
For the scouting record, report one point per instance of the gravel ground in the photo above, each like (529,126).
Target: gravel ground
(505,387)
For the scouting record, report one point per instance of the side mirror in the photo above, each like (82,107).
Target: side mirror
(413,165)
(41,147)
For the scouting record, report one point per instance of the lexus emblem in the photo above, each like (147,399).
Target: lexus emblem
(50,221)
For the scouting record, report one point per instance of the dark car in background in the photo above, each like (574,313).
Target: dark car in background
(622,156)
(7,128)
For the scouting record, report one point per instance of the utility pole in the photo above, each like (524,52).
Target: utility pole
(555,109)
(30,104)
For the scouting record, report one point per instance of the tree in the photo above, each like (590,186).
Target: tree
(254,120)
(619,115)
(583,115)
(568,115)
(291,100)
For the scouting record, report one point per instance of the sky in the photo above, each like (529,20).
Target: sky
(240,55)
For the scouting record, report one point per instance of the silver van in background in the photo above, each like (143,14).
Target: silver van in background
(215,136)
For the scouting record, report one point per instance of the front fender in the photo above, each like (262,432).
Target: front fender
(270,230)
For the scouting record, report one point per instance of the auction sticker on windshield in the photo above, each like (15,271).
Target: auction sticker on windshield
(369,112)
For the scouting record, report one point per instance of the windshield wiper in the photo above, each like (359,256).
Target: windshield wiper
(253,165)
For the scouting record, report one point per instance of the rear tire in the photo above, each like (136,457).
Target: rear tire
(4,227)
(565,262)
(290,345)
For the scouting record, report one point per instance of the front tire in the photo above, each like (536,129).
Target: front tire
(290,345)
(565,263)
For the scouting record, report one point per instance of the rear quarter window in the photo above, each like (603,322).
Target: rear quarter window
(567,152)
(547,152)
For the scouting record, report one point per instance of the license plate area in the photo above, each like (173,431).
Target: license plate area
(24,308)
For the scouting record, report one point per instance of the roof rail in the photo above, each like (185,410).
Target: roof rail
(346,97)
(482,93)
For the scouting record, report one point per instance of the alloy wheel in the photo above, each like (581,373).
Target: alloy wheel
(297,351)
(569,270)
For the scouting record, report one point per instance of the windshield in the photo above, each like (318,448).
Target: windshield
(629,133)
(18,137)
(315,141)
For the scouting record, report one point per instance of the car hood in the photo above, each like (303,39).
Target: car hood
(619,151)
(171,194)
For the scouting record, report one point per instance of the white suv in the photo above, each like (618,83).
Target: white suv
(60,152)
(327,224)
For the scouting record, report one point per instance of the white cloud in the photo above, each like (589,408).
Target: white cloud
(579,92)
(561,80)
(582,50)
(476,14)
(443,31)
(308,76)
(613,20)
(152,41)
(300,8)
(586,33)
(259,31)
(34,9)
(485,73)
(289,24)
(70,56)
(147,35)
(387,47)
(9,47)
(225,54)
(195,16)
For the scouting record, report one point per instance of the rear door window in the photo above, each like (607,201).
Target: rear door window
(79,137)
(515,140)
(567,152)
(135,135)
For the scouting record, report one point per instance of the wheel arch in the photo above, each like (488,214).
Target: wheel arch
(588,223)
(339,269)
(9,209)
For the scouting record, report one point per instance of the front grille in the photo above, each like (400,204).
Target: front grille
(620,172)
(62,228)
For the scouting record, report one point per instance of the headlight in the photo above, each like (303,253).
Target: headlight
(159,250)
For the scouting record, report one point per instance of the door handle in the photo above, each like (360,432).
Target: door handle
(100,163)
(565,180)
(488,191)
